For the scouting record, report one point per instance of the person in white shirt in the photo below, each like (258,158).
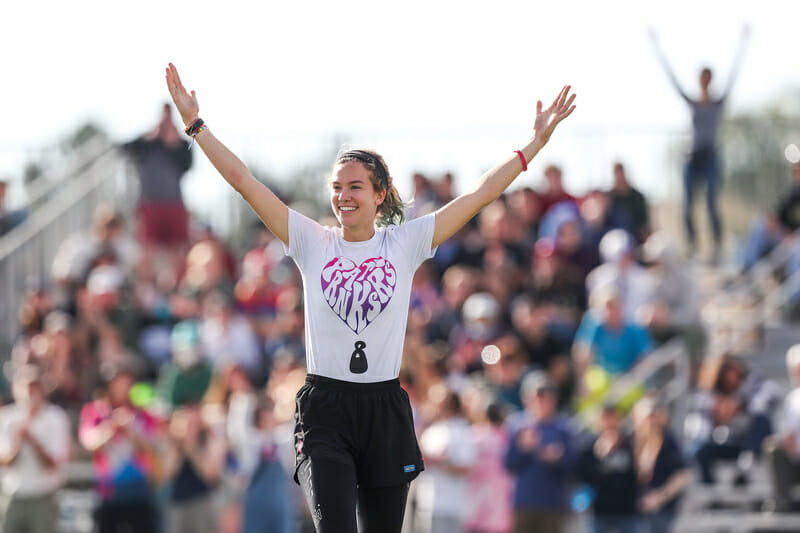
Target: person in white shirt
(783,449)
(450,455)
(34,447)
(354,438)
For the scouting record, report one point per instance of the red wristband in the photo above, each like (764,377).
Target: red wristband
(522,158)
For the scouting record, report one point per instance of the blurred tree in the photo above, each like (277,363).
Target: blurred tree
(756,170)
(50,156)
(83,133)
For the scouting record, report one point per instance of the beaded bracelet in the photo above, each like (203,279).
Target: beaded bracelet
(191,128)
(194,128)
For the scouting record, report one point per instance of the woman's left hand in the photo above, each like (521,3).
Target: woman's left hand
(548,119)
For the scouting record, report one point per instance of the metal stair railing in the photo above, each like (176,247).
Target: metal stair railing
(96,173)
(672,392)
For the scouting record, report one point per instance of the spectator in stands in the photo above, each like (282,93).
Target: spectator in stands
(233,396)
(526,208)
(426,199)
(445,189)
(662,474)
(268,507)
(458,283)
(286,338)
(449,455)
(556,284)
(702,165)
(186,378)
(782,220)
(161,158)
(608,465)
(553,192)
(783,449)
(674,308)
(35,441)
(122,439)
(106,241)
(505,242)
(209,266)
(482,325)
(621,271)
(578,254)
(540,457)
(227,336)
(27,348)
(628,205)
(505,364)
(490,485)
(544,349)
(778,226)
(731,416)
(614,343)
(192,466)
(108,315)
(595,212)
(64,370)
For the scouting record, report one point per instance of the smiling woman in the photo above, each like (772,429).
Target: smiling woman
(361,179)
(355,445)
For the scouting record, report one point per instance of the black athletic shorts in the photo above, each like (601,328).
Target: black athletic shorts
(366,425)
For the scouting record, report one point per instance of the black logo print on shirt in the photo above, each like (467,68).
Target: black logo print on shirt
(358,361)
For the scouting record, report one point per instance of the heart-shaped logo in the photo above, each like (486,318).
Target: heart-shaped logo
(358,293)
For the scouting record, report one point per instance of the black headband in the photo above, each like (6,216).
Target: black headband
(371,161)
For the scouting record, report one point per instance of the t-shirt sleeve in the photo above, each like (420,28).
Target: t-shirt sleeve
(416,238)
(58,443)
(462,449)
(645,342)
(586,330)
(304,234)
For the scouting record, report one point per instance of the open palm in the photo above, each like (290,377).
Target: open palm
(185,102)
(548,119)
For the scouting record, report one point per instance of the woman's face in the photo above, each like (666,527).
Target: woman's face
(353,196)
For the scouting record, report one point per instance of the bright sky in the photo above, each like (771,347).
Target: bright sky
(432,85)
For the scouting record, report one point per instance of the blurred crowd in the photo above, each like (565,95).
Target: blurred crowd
(170,361)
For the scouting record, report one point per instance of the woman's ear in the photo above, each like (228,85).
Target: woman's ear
(381,198)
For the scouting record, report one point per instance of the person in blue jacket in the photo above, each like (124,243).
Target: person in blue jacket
(540,456)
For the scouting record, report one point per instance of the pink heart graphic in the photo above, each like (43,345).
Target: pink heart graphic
(358,293)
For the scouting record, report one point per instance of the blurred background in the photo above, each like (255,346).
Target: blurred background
(140,292)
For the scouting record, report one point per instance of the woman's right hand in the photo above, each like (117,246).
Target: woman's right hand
(185,102)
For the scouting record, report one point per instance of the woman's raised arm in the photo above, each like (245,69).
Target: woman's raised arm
(662,58)
(455,214)
(269,208)
(738,59)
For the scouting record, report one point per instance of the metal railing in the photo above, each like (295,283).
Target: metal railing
(62,205)
(666,370)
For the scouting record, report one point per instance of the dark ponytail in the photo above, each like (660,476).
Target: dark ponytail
(392,210)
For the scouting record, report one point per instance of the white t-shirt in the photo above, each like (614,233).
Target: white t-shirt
(357,295)
(790,421)
(441,492)
(27,476)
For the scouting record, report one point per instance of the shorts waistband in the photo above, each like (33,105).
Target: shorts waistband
(314,379)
